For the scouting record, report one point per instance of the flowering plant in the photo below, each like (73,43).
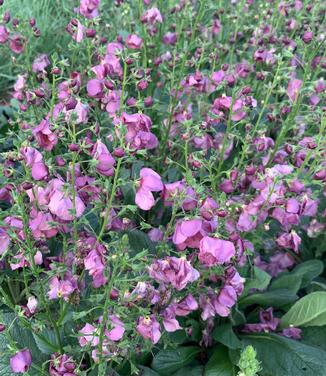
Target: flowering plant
(162,204)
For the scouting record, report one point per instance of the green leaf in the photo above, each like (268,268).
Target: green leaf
(289,281)
(219,364)
(145,371)
(46,341)
(139,241)
(260,280)
(281,356)
(314,336)
(275,298)
(169,361)
(308,270)
(190,371)
(308,311)
(225,335)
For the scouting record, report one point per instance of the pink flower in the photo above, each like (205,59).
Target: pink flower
(40,63)
(117,329)
(149,328)
(40,225)
(89,8)
(289,240)
(105,161)
(187,305)
(170,323)
(188,233)
(293,89)
(32,304)
(4,241)
(95,264)
(178,191)
(33,158)
(95,88)
(62,288)
(21,361)
(76,30)
(149,182)
(220,304)
(175,271)
(16,44)
(20,260)
(138,133)
(4,34)
(134,42)
(61,205)
(151,16)
(208,208)
(214,251)
(62,365)
(44,136)
(90,336)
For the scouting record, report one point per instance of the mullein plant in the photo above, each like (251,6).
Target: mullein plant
(156,177)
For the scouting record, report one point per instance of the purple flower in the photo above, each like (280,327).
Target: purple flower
(95,264)
(62,365)
(89,336)
(134,42)
(178,191)
(149,328)
(4,34)
(175,271)
(62,288)
(21,361)
(16,44)
(105,161)
(186,306)
(188,233)
(89,8)
(218,304)
(95,88)
(208,208)
(214,251)
(40,63)
(170,323)
(44,136)
(289,240)
(117,329)
(4,241)
(293,89)
(149,182)
(33,158)
(40,225)
(151,16)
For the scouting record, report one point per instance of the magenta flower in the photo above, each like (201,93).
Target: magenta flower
(138,133)
(175,271)
(89,8)
(95,264)
(149,328)
(21,361)
(188,233)
(40,225)
(32,304)
(40,63)
(90,336)
(62,365)
(4,241)
(95,88)
(293,89)
(220,304)
(62,288)
(44,136)
(61,205)
(186,306)
(178,191)
(208,208)
(213,251)
(134,42)
(16,44)
(4,34)
(117,329)
(105,161)
(289,240)
(33,158)
(151,16)
(170,323)
(149,182)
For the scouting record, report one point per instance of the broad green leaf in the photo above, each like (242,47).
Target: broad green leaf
(219,364)
(225,335)
(260,280)
(168,361)
(281,356)
(308,271)
(139,241)
(46,341)
(287,281)
(145,371)
(190,371)
(314,336)
(275,298)
(308,311)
